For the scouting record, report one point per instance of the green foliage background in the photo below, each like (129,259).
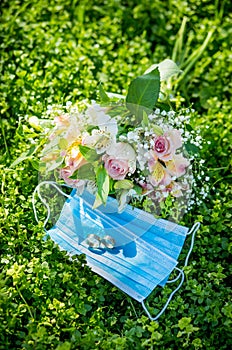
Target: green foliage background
(58,50)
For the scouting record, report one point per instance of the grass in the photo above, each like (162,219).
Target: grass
(59,51)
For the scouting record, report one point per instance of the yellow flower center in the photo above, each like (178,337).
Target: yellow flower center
(73,149)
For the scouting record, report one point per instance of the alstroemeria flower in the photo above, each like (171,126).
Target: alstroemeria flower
(173,188)
(52,160)
(73,158)
(120,160)
(159,174)
(73,132)
(62,120)
(97,116)
(99,140)
(177,166)
(176,189)
(166,145)
(51,155)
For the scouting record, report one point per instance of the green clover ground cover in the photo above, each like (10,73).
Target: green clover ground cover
(58,51)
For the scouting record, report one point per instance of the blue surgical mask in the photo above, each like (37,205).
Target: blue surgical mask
(133,250)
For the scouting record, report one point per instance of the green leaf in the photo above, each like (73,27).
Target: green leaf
(164,106)
(103,184)
(85,172)
(35,123)
(145,121)
(88,153)
(123,198)
(191,148)
(102,94)
(143,93)
(167,69)
(24,156)
(184,322)
(90,128)
(20,159)
(35,164)
(157,130)
(138,189)
(19,130)
(111,185)
(189,127)
(124,185)
(64,346)
(97,201)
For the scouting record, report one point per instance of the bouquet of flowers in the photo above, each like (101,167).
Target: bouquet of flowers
(136,148)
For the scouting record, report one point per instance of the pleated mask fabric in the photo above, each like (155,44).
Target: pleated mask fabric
(145,249)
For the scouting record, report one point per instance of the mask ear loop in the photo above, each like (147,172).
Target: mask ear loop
(192,232)
(180,275)
(37,191)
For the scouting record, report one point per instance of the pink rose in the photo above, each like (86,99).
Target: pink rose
(119,160)
(65,174)
(116,168)
(165,145)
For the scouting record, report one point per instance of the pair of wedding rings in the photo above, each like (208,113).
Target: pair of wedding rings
(95,242)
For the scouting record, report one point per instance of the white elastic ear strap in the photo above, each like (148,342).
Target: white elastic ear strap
(192,232)
(181,274)
(37,191)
